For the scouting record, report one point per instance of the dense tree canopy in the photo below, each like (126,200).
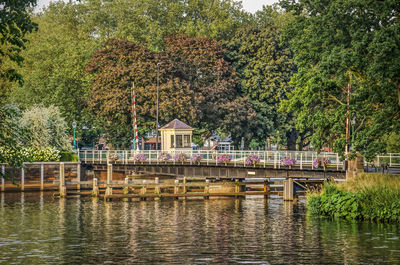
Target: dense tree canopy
(265,65)
(196,85)
(55,59)
(337,43)
(15,22)
(220,69)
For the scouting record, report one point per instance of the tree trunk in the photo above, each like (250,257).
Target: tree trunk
(291,137)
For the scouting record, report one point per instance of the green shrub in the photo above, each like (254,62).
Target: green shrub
(67,156)
(368,197)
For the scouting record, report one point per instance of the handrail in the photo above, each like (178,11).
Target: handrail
(209,157)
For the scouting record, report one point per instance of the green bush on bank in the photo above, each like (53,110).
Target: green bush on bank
(366,197)
(67,156)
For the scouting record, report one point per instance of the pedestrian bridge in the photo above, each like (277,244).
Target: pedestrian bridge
(218,164)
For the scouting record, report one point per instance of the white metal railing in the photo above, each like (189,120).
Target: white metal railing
(391,159)
(304,159)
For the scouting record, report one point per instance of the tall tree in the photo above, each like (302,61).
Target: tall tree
(339,43)
(15,22)
(55,59)
(196,84)
(148,22)
(265,65)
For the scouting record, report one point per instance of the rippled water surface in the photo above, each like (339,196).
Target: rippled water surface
(37,229)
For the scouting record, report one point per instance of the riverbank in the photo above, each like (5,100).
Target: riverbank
(366,197)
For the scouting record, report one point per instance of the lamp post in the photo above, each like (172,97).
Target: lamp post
(158,83)
(74,126)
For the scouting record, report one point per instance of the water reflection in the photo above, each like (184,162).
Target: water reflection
(38,229)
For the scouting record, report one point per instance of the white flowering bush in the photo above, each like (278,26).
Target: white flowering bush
(29,154)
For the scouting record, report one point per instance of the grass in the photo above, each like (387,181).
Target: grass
(367,197)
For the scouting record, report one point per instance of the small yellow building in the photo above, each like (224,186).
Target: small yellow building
(176,136)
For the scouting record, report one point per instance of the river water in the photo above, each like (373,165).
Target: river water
(39,229)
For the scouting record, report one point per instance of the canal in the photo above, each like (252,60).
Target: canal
(39,229)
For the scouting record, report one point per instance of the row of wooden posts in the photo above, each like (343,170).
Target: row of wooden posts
(180,189)
(42,171)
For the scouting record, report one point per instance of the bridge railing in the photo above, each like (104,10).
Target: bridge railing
(304,159)
(391,159)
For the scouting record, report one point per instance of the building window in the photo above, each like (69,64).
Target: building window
(172,141)
(186,141)
(179,141)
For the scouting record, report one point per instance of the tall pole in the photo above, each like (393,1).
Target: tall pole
(134,124)
(158,83)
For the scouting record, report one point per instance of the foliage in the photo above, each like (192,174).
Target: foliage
(148,22)
(224,158)
(180,157)
(196,158)
(252,159)
(367,197)
(358,45)
(68,156)
(264,65)
(15,22)
(46,127)
(196,85)
(12,136)
(29,154)
(287,161)
(393,143)
(55,60)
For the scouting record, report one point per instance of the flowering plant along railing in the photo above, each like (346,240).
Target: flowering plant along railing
(321,162)
(224,158)
(180,158)
(164,157)
(252,159)
(196,159)
(287,161)
(139,158)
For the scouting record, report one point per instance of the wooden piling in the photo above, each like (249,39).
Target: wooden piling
(78,176)
(176,188)
(207,189)
(237,187)
(23,177)
(3,171)
(288,190)
(144,189)
(184,185)
(42,177)
(95,188)
(125,189)
(109,180)
(63,189)
(266,188)
(157,188)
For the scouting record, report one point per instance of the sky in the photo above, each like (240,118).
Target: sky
(249,5)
